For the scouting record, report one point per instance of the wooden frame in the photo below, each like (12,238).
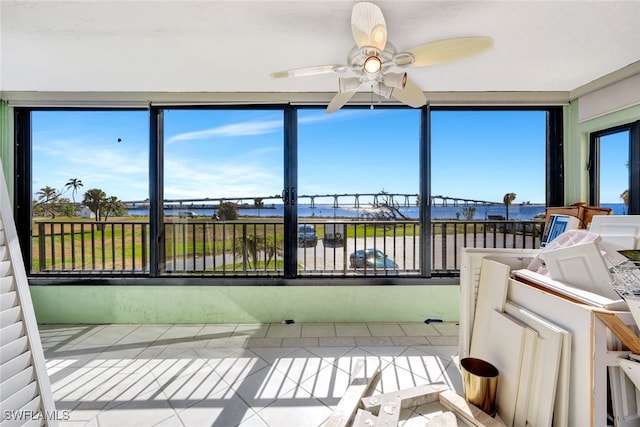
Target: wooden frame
(383,410)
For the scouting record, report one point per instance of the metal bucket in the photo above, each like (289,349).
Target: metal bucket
(480,379)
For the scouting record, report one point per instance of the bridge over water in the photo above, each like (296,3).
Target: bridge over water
(355,200)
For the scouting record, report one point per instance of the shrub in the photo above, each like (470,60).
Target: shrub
(228,211)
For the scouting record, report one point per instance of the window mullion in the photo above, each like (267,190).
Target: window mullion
(156,179)
(290,193)
(22,182)
(425,192)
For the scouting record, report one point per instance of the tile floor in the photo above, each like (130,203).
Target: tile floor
(245,375)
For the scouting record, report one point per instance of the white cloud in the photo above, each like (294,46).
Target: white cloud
(262,127)
(184,180)
(340,115)
(119,170)
(235,129)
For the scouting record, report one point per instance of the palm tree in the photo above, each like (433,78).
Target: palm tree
(258,203)
(74,184)
(111,205)
(468,212)
(625,199)
(508,199)
(47,194)
(94,199)
(48,201)
(255,249)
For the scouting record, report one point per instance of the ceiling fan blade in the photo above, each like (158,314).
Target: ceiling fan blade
(339,100)
(368,26)
(310,71)
(411,95)
(448,50)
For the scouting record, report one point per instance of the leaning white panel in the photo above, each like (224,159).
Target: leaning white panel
(546,372)
(24,382)
(470,266)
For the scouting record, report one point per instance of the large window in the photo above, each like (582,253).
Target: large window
(358,186)
(88,168)
(488,168)
(480,159)
(615,170)
(223,212)
(276,193)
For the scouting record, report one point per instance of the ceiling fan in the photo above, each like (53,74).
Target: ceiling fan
(373,60)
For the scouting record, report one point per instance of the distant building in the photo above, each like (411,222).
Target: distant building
(85,212)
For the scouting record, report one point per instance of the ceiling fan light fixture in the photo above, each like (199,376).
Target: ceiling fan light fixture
(398,80)
(349,84)
(372,65)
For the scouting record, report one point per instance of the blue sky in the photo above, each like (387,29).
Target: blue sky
(614,158)
(222,153)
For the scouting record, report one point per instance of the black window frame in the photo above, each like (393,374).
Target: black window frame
(593,165)
(22,191)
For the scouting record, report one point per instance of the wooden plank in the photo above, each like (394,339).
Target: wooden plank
(546,367)
(564,392)
(364,419)
(446,397)
(507,350)
(345,411)
(467,411)
(470,265)
(415,396)
(632,369)
(562,290)
(389,413)
(527,367)
(561,404)
(446,419)
(492,294)
(581,401)
(620,330)
(624,397)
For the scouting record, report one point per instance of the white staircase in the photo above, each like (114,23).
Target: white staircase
(25,392)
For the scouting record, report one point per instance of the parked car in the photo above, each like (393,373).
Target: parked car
(307,236)
(371,258)
(186,214)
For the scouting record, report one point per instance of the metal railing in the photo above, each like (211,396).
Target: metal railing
(223,248)
(256,247)
(90,247)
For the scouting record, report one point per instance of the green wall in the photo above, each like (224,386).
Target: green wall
(244,304)
(266,304)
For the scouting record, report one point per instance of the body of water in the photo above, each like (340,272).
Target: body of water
(521,212)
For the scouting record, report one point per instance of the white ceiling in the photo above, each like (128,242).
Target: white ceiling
(224,46)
